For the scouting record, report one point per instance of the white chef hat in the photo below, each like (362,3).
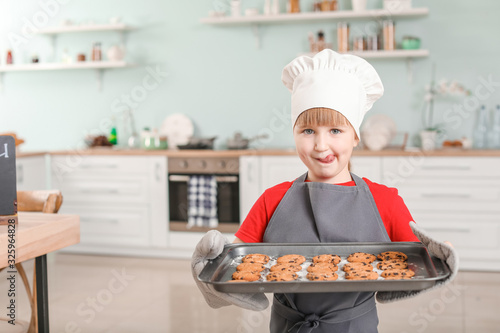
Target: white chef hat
(342,82)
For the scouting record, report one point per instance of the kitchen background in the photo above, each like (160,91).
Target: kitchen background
(215,74)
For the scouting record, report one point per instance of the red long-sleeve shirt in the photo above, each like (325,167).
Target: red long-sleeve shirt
(391,207)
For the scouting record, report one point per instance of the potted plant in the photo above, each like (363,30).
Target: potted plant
(429,134)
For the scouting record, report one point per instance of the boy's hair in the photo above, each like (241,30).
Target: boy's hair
(323,117)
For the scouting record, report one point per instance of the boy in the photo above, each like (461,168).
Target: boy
(330,95)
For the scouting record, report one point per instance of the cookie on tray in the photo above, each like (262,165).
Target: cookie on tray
(322,276)
(256,258)
(361,257)
(282,276)
(250,267)
(397,274)
(392,264)
(322,267)
(285,267)
(296,259)
(387,255)
(247,276)
(329,258)
(357,266)
(361,275)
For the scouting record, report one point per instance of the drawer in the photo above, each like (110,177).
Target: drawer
(397,170)
(74,166)
(368,167)
(112,225)
(121,188)
(474,237)
(451,196)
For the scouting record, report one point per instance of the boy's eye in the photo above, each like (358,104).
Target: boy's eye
(308,131)
(336,131)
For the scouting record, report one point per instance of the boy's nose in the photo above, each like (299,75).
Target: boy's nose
(320,143)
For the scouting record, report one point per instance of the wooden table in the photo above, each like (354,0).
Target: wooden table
(36,235)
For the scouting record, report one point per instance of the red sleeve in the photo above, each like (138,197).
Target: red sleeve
(393,211)
(391,207)
(253,227)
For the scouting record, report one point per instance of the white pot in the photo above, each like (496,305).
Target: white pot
(115,53)
(428,140)
(358,5)
(395,6)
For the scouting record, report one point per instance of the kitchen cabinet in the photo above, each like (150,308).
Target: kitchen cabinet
(31,173)
(121,201)
(455,199)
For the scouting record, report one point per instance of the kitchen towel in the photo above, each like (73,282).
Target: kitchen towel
(202,198)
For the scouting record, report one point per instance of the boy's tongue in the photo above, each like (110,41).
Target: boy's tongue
(327,159)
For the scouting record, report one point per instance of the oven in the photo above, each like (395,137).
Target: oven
(226,172)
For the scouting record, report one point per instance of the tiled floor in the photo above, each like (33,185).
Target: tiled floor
(119,294)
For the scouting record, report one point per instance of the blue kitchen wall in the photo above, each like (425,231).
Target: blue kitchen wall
(216,75)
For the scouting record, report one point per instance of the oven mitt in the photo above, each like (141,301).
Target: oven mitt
(209,247)
(440,250)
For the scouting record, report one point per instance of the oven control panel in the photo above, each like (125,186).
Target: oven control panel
(209,165)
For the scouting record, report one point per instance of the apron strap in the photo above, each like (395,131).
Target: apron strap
(307,323)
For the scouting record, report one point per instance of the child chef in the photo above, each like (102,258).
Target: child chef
(330,95)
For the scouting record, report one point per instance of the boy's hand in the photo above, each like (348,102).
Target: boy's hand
(441,250)
(209,247)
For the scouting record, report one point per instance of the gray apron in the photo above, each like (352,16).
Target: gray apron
(318,212)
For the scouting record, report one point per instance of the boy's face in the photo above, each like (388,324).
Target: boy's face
(326,151)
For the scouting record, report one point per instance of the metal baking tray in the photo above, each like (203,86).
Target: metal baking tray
(428,270)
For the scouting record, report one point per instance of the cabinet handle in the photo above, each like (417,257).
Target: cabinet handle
(157,172)
(444,229)
(446,167)
(98,166)
(98,220)
(100,191)
(446,195)
(220,179)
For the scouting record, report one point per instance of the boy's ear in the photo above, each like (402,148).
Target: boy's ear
(356,142)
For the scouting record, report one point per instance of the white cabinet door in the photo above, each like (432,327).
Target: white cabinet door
(249,183)
(31,173)
(122,200)
(455,199)
(367,167)
(278,169)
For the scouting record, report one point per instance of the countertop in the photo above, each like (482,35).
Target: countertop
(264,152)
(260,152)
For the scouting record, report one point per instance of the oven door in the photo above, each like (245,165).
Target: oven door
(228,203)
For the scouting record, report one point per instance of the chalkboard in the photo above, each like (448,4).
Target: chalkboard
(8,189)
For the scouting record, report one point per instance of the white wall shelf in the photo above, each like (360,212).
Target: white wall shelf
(53,32)
(99,66)
(315,16)
(85,28)
(65,66)
(382,54)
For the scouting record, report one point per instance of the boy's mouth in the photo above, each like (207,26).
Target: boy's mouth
(327,159)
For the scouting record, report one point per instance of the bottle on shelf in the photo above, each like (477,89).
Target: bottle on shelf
(96,52)
(113,137)
(342,37)
(293,6)
(480,135)
(10,59)
(495,129)
(389,35)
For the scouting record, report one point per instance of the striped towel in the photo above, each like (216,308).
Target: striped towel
(202,201)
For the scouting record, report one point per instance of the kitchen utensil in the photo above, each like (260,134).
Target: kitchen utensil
(199,143)
(378,131)
(178,128)
(428,270)
(239,142)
